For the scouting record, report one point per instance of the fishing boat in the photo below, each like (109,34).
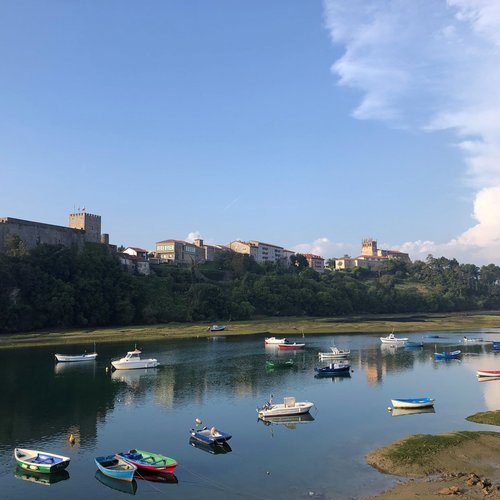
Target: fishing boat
(291,345)
(115,467)
(213,449)
(40,461)
(275,341)
(447,355)
(333,369)
(400,412)
(335,353)
(412,403)
(210,436)
(488,373)
(392,339)
(152,462)
(216,328)
(273,364)
(410,343)
(133,360)
(288,407)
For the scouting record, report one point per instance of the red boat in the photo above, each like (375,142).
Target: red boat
(291,346)
(152,462)
(488,373)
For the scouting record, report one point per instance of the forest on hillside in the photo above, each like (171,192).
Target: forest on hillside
(60,287)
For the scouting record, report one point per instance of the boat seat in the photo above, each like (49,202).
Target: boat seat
(46,460)
(159,461)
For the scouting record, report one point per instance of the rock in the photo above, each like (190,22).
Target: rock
(450,490)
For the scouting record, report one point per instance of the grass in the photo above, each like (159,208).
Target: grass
(486,417)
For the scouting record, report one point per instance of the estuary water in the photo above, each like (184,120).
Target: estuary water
(221,381)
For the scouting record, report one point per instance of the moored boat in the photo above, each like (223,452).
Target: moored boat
(210,436)
(333,368)
(412,403)
(392,339)
(275,341)
(496,346)
(133,360)
(410,343)
(475,340)
(291,345)
(216,328)
(447,355)
(488,373)
(288,407)
(40,461)
(116,468)
(145,460)
(67,358)
(335,353)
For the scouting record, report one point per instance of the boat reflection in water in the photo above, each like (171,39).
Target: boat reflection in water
(116,484)
(399,412)
(157,477)
(41,478)
(289,421)
(336,377)
(487,379)
(214,449)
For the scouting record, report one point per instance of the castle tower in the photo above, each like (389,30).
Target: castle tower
(90,223)
(369,247)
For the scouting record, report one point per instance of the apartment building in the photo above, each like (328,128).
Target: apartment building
(315,262)
(261,252)
(179,252)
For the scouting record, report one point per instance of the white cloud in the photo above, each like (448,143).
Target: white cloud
(193,235)
(326,248)
(432,64)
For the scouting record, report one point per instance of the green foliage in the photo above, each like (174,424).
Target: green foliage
(486,417)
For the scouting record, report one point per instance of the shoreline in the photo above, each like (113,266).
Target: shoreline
(289,326)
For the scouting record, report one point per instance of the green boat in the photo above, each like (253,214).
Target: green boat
(279,364)
(40,461)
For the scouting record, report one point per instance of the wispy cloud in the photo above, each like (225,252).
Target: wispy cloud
(432,64)
(229,205)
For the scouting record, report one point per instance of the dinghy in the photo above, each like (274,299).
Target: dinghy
(40,461)
(116,468)
(210,436)
(412,403)
(447,355)
(152,462)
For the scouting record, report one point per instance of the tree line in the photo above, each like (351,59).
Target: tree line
(58,287)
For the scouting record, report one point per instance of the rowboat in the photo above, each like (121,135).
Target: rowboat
(447,355)
(133,360)
(216,328)
(116,468)
(333,369)
(391,339)
(409,343)
(288,407)
(153,462)
(488,373)
(66,358)
(40,461)
(335,353)
(412,403)
(291,345)
(279,364)
(213,449)
(210,436)
(275,341)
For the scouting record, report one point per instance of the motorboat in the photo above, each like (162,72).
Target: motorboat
(40,461)
(488,373)
(210,436)
(335,353)
(116,467)
(447,355)
(412,403)
(275,341)
(333,369)
(288,407)
(133,360)
(291,345)
(392,339)
(152,462)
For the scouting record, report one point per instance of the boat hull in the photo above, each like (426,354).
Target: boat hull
(412,403)
(291,346)
(39,461)
(116,468)
(63,358)
(208,437)
(488,373)
(135,364)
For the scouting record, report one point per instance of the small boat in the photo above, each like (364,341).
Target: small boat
(275,341)
(333,369)
(40,461)
(40,478)
(279,364)
(432,336)
(288,407)
(291,345)
(391,339)
(335,353)
(152,462)
(129,487)
(210,436)
(447,355)
(412,403)
(66,358)
(496,346)
(116,468)
(399,412)
(216,328)
(488,373)
(410,343)
(475,340)
(213,449)
(133,360)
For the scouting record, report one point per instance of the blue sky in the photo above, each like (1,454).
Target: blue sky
(303,123)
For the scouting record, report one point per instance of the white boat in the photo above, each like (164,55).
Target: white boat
(65,358)
(288,407)
(412,403)
(133,360)
(476,341)
(275,341)
(391,339)
(335,353)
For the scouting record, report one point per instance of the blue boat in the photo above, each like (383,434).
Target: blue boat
(116,468)
(333,369)
(496,346)
(409,343)
(412,403)
(210,436)
(447,355)
(431,336)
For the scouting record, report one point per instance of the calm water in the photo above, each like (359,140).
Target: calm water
(222,382)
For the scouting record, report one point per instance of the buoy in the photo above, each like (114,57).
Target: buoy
(389,408)
(72,439)
(198,421)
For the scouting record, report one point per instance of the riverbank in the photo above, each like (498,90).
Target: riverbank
(458,463)
(290,326)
